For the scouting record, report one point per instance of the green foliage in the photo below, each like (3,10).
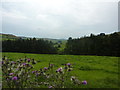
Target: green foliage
(29,46)
(103,45)
(19,74)
(99,71)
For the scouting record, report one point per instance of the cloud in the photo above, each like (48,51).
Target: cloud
(14,14)
(58,0)
(59,18)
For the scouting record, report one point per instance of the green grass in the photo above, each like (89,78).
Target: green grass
(99,71)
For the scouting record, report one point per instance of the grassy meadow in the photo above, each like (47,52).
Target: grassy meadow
(98,71)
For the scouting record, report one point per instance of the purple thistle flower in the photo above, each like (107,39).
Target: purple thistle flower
(11,74)
(51,65)
(45,68)
(28,60)
(37,74)
(24,63)
(13,62)
(68,64)
(15,78)
(2,62)
(59,70)
(84,82)
(33,71)
(50,86)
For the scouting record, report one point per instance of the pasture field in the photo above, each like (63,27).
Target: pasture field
(98,71)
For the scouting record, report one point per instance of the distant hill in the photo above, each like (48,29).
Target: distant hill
(12,37)
(8,36)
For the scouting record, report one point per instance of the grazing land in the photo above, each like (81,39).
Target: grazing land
(98,71)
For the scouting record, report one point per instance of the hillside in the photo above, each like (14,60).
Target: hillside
(8,36)
(11,37)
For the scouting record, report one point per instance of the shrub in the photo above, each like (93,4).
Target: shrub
(20,74)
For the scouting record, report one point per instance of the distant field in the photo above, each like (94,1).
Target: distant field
(99,71)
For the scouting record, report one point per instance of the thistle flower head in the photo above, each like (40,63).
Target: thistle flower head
(68,64)
(11,74)
(37,74)
(51,65)
(28,60)
(24,64)
(45,68)
(33,71)
(2,62)
(15,78)
(50,87)
(59,69)
(84,82)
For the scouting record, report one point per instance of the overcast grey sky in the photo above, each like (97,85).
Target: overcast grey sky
(59,18)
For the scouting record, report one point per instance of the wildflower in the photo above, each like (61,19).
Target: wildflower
(15,78)
(3,58)
(59,69)
(11,74)
(33,71)
(24,64)
(45,68)
(84,82)
(50,87)
(2,62)
(28,60)
(37,74)
(51,65)
(68,64)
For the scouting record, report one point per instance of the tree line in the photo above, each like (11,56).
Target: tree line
(103,45)
(29,46)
